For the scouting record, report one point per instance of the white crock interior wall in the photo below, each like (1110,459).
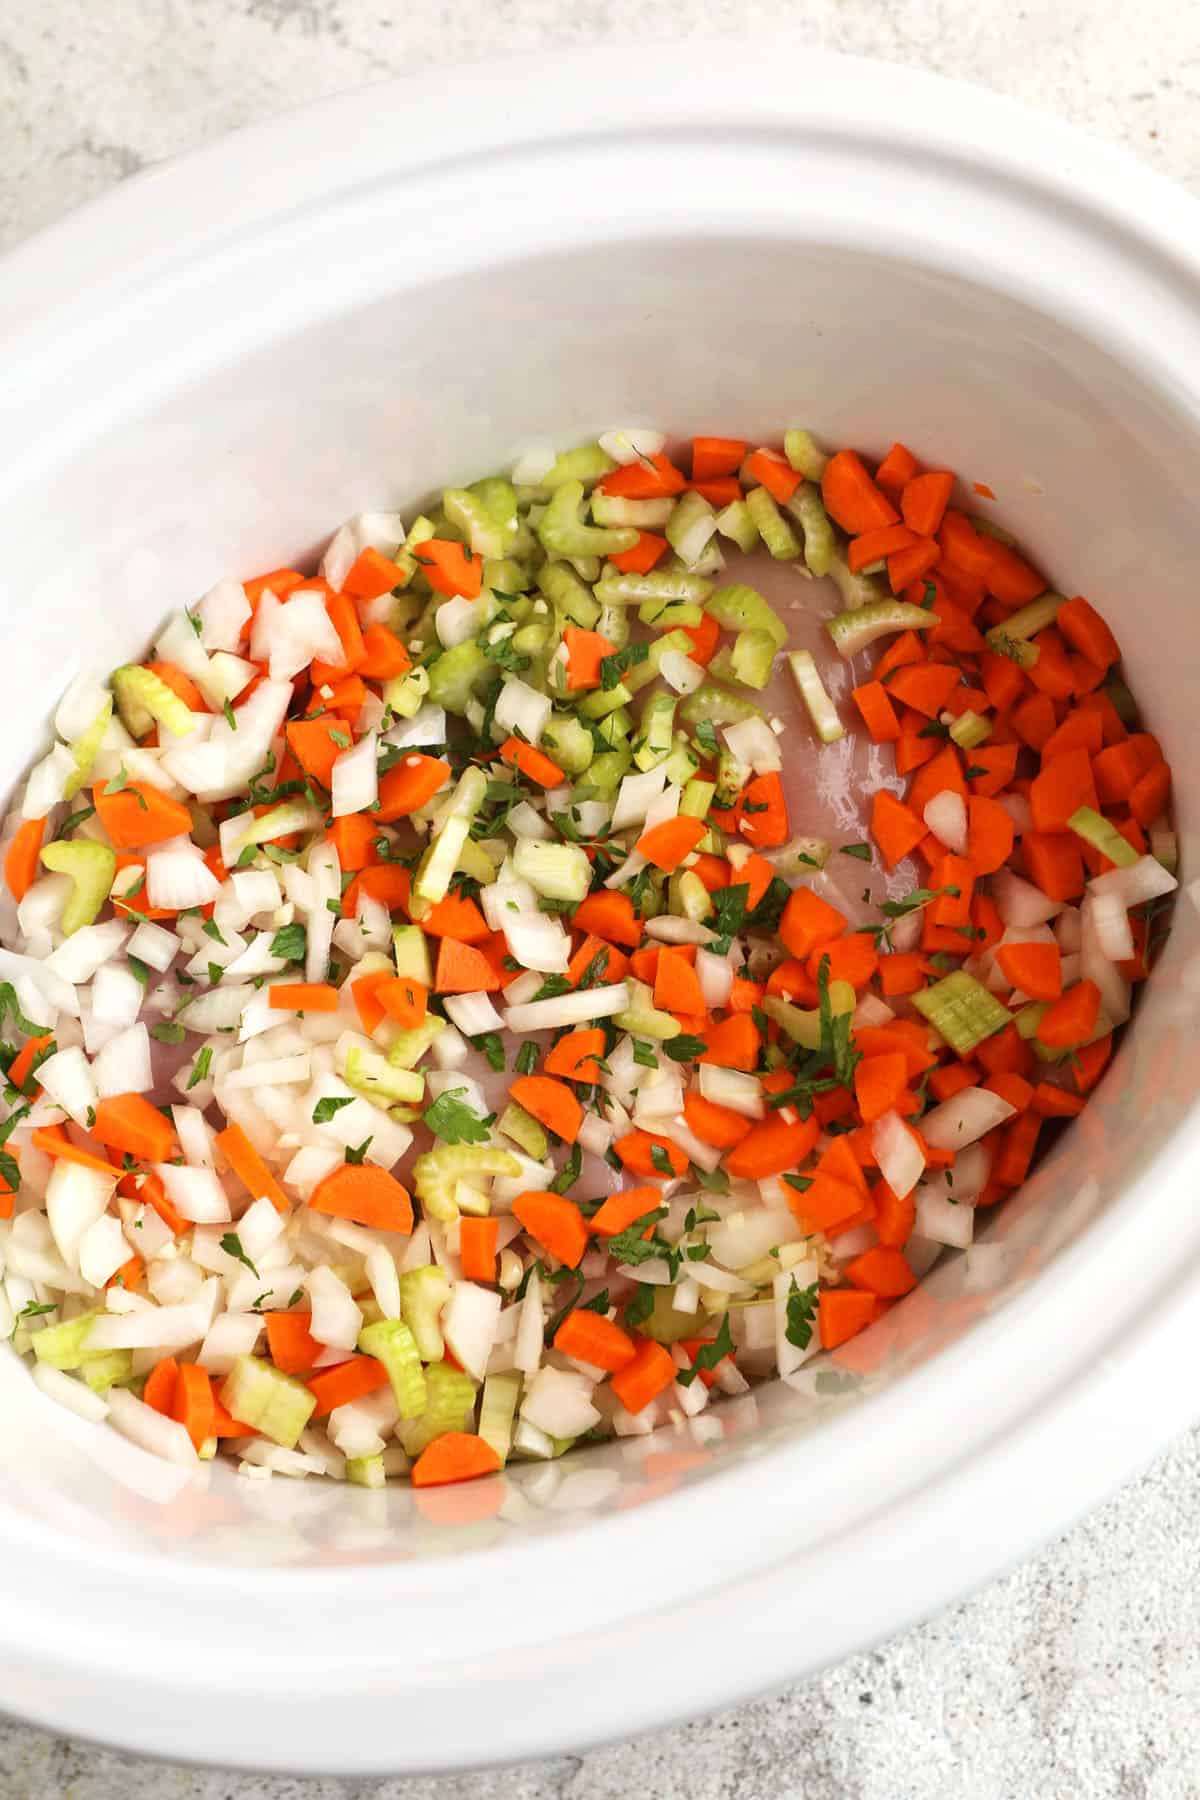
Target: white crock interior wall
(257,462)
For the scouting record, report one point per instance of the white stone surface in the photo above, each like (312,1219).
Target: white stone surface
(1078,1676)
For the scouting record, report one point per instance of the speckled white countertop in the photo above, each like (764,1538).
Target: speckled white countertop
(1078,1676)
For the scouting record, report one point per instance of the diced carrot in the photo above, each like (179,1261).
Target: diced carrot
(878,713)
(676,984)
(771,1146)
(1011,1087)
(1087,632)
(1006,1052)
(610,916)
(1150,794)
(649,549)
(764,814)
(943,773)
(851,498)
(951,1079)
(1009,577)
(904,649)
(903,972)
(713,871)
(128,1275)
(1036,969)
(649,478)
(586,650)
(463,969)
(455,1456)
(140,814)
(1056,1102)
(883,1270)
(591,1338)
(774,472)
(353,837)
(192,1404)
(807,921)
(1052,673)
(403,999)
(292,1347)
(410,784)
(21,1066)
(450,568)
(159,1389)
(705,637)
(555,1223)
(641,1381)
(1053,863)
(896,470)
(716,456)
(1090,1062)
(1072,1018)
(717,1125)
(314,745)
(894,1217)
(575,1057)
(842,1313)
(21,862)
(623,1209)
(384,657)
(551,1103)
(250,1168)
(997,764)
(646,1153)
(346,1382)
(1034,720)
(128,1122)
(733,1043)
(852,958)
(280,581)
(1018,1140)
(924,501)
(926,687)
(303,996)
(477,1248)
(367,1195)
(531,762)
(371,575)
(965,548)
(913,564)
(667,844)
(875,546)
(879,1082)
(895,828)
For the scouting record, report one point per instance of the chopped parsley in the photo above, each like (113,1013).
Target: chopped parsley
(231,1244)
(453,1121)
(200,1068)
(325,1109)
(801,1311)
(290,943)
(708,1355)
(527,1058)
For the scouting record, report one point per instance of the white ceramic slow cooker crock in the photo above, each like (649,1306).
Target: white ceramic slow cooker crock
(205,372)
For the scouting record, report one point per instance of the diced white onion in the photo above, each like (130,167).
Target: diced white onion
(177,875)
(231,1334)
(76,1196)
(1019,902)
(298,632)
(966,1116)
(1105,919)
(559,1402)
(152,944)
(355,779)
(680,672)
(898,1153)
(568,1009)
(946,817)
(940,1219)
(469,1322)
(715,975)
(740,1092)
(196,1194)
(754,744)
(67,1078)
(457,620)
(102,1250)
(634,796)
(116,995)
(473,1013)
(150,1430)
(537,941)
(522,709)
(336,1320)
(1146,879)
(57,1385)
(427,726)
(79,956)
(625,444)
(124,1065)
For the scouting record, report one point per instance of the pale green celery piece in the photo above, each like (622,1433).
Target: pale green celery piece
(63,1346)
(643,673)
(741,608)
(713,842)
(605,774)
(970,729)
(524,1131)
(644,515)
(421,529)
(563,532)
(691,524)
(601,701)
(458,676)
(709,563)
(854,630)
(821,709)
(374,1076)
(803,1027)
(525,548)
(410,947)
(718,705)
(642,1017)
(736,522)
(732,776)
(431,881)
(587,568)
(521,608)
(365,1471)
(423,1293)
(1030,1017)
(804,454)
(1102,835)
(859,590)
(110,1369)
(85,749)
(569,743)
(277,1405)
(407,607)
(1022,651)
(1118,692)
(990,529)
(615,589)
(91,867)
(391,1342)
(570,597)
(484,532)
(689,898)
(533,639)
(720,666)
(280,821)
(405,695)
(820,543)
(586,463)
(753,655)
(473,860)
(497,1409)
(613,624)
(664,615)
(803,856)
(681,765)
(436,1174)
(962,1009)
(143,696)
(410,1046)
(1027,621)
(657,731)
(449,1407)
(616,728)
(1164,847)
(556,871)
(698,796)
(776,533)
(504,575)
(665,1323)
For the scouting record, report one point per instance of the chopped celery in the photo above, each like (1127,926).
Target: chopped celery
(656,737)
(697,798)
(605,774)
(434,872)
(459,675)
(423,1293)
(1019,650)
(374,1076)
(391,1342)
(718,705)
(569,596)
(556,871)
(855,590)
(613,624)
(1164,847)
(681,765)
(803,855)
(279,821)
(588,462)
(569,743)
(1030,1017)
(275,1404)
(497,1409)
(1124,702)
(616,728)
(969,729)
(563,532)
(732,776)
(821,709)
(485,513)
(803,1027)
(532,639)
(85,748)
(736,523)
(691,524)
(852,631)
(753,655)
(408,1047)
(665,1323)
(1102,835)
(63,1346)
(473,860)
(643,1018)
(741,608)
(646,515)
(504,575)
(144,699)
(524,1131)
(91,867)
(664,615)
(804,454)
(820,544)
(366,1471)
(435,1174)
(601,701)
(962,1009)
(449,1406)
(689,897)
(643,673)
(1028,620)
(777,534)
(419,531)
(107,1369)
(405,695)
(614,589)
